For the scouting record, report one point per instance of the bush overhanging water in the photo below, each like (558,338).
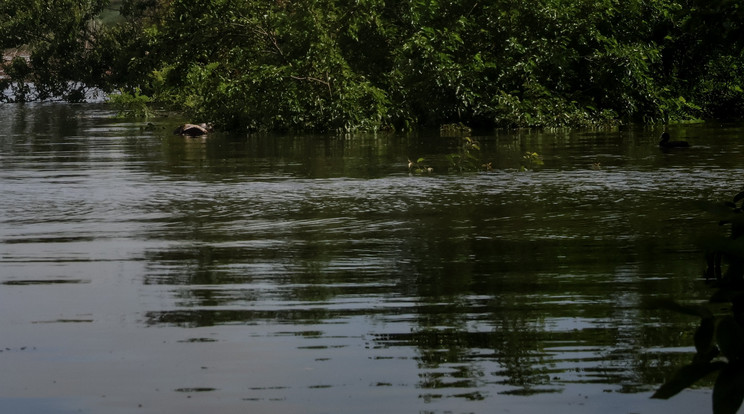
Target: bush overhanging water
(372,64)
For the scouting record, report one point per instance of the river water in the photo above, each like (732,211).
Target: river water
(151,273)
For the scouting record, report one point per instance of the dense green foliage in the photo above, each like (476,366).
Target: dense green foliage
(370,64)
(60,36)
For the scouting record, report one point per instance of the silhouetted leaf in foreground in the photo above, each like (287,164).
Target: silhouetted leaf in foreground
(685,377)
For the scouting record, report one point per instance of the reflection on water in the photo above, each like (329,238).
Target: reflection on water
(294,274)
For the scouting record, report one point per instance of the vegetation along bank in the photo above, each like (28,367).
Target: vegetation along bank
(328,65)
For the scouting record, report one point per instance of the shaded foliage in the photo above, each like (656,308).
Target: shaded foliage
(371,64)
(60,37)
(719,340)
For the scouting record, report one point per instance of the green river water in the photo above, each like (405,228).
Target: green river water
(142,272)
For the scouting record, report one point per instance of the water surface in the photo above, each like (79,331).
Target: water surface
(146,272)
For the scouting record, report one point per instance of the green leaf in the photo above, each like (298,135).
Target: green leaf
(730,338)
(685,377)
(728,392)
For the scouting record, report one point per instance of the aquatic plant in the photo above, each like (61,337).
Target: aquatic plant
(719,339)
(531,161)
(468,156)
(419,167)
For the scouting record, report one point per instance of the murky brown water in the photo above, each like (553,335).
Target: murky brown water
(145,272)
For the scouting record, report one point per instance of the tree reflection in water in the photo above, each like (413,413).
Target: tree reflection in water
(323,256)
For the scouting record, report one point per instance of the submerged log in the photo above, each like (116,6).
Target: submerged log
(192,130)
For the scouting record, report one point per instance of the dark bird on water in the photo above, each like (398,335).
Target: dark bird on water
(666,143)
(192,130)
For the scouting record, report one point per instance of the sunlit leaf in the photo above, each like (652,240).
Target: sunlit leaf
(685,377)
(728,392)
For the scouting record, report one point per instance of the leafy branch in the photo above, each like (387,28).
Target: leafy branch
(719,339)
